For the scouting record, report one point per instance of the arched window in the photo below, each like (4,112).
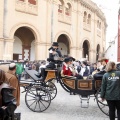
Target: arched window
(85,16)
(100,25)
(97,23)
(89,19)
(60,6)
(68,9)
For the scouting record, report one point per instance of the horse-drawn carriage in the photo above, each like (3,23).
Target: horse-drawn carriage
(41,90)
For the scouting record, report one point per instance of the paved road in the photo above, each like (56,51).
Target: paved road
(63,107)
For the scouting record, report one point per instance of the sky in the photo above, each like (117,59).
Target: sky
(110,9)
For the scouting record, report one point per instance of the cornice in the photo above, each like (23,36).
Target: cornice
(93,7)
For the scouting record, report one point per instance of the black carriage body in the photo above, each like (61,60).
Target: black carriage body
(81,86)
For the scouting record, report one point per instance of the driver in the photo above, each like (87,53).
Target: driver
(54,53)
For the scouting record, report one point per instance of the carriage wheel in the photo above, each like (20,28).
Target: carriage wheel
(51,87)
(37,98)
(64,86)
(102,105)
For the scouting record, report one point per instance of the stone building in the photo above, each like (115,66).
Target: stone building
(28,28)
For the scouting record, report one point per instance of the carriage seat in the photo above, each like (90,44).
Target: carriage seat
(34,75)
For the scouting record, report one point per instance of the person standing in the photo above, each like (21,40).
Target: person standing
(13,81)
(110,89)
(19,69)
(7,100)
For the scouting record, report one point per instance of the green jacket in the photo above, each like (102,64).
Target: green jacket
(19,68)
(110,88)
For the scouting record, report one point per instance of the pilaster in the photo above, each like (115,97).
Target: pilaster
(1,48)
(8,49)
(40,51)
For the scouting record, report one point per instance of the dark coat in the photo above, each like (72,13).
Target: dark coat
(14,82)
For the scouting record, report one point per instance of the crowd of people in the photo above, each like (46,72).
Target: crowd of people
(110,88)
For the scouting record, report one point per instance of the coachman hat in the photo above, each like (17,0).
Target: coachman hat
(66,59)
(55,44)
(103,59)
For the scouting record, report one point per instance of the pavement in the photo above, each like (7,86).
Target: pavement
(63,107)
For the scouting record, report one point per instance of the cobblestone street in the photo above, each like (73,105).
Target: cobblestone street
(63,107)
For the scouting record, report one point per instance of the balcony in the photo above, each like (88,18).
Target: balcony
(99,32)
(64,18)
(86,27)
(26,7)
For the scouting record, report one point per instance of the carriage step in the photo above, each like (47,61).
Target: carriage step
(84,101)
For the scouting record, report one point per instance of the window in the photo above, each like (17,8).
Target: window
(97,23)
(85,16)
(60,6)
(89,19)
(100,25)
(68,9)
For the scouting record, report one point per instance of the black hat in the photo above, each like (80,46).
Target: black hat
(72,59)
(55,44)
(66,59)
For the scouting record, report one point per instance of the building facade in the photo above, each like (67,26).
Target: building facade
(28,28)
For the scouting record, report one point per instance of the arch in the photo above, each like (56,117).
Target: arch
(86,47)
(81,43)
(27,25)
(67,35)
(65,41)
(26,48)
(97,51)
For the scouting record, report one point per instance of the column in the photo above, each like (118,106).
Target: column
(92,56)
(1,48)
(41,51)
(73,51)
(79,53)
(8,47)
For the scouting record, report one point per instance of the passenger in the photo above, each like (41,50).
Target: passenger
(93,68)
(110,89)
(13,81)
(85,70)
(68,69)
(104,62)
(7,100)
(99,74)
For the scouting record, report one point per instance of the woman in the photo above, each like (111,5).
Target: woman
(68,68)
(7,100)
(110,89)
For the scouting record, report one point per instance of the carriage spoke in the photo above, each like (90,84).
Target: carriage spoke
(41,99)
